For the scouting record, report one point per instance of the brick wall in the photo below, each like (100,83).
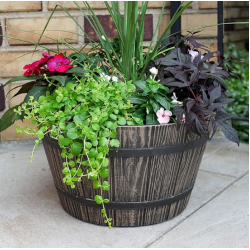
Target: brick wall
(33,15)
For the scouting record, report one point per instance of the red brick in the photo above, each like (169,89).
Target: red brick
(111,31)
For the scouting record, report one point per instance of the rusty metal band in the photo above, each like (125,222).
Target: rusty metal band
(125,205)
(141,152)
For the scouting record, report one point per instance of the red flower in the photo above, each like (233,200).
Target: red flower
(59,63)
(35,67)
(32,68)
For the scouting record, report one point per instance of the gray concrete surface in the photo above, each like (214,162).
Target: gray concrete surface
(216,216)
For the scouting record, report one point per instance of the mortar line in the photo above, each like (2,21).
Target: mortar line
(198,208)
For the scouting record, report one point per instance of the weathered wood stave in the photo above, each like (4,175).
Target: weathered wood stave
(137,179)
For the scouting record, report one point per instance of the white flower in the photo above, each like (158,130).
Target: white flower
(114,79)
(163,115)
(174,97)
(194,54)
(106,77)
(103,37)
(154,71)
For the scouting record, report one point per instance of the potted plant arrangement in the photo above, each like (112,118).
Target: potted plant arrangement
(124,127)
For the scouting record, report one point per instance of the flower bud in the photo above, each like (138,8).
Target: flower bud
(154,71)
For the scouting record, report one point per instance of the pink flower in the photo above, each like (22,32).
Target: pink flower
(59,63)
(163,116)
(183,118)
(194,54)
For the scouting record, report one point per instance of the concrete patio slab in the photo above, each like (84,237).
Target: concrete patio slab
(222,223)
(31,215)
(230,160)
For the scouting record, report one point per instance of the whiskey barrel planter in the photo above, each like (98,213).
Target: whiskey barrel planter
(151,176)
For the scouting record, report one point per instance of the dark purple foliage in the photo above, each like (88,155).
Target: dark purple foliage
(200,85)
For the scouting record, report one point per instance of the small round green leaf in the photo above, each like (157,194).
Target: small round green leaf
(104,173)
(96,184)
(96,126)
(121,121)
(103,141)
(114,143)
(72,133)
(88,145)
(98,199)
(105,163)
(76,148)
(105,186)
(72,163)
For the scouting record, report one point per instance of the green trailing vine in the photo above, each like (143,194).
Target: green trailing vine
(83,116)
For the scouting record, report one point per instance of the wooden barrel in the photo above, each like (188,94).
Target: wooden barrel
(151,176)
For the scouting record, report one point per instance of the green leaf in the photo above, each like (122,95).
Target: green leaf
(70,156)
(113,126)
(72,164)
(40,135)
(88,145)
(103,141)
(104,173)
(113,134)
(59,98)
(142,85)
(164,103)
(155,105)
(77,71)
(72,133)
(76,148)
(62,124)
(65,171)
(64,141)
(36,92)
(112,116)
(114,143)
(154,86)
(8,118)
(93,175)
(140,113)
(106,200)
(105,163)
(135,99)
(105,186)
(95,165)
(77,120)
(96,126)
(25,88)
(151,119)
(122,121)
(96,184)
(99,156)
(98,199)
(95,143)
(79,172)
(20,78)
(93,153)
(60,79)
